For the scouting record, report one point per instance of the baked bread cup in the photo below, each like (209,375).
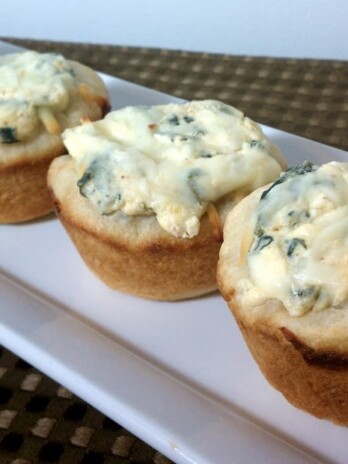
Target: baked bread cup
(40,96)
(136,193)
(282,270)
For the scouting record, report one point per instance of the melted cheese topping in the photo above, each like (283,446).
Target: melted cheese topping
(300,249)
(170,160)
(30,81)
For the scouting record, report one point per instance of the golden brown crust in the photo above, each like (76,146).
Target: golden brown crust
(157,272)
(325,358)
(306,358)
(23,165)
(23,191)
(134,254)
(321,390)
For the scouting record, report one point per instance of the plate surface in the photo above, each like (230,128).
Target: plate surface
(178,375)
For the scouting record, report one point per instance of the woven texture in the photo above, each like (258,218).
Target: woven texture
(40,421)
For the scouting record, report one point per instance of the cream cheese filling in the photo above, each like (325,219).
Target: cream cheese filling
(299,253)
(170,160)
(33,86)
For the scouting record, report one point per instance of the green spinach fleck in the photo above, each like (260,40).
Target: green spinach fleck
(294,243)
(173,119)
(262,242)
(295,171)
(296,217)
(81,183)
(8,135)
(257,144)
(306,292)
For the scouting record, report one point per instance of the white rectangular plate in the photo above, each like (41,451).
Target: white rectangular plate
(178,375)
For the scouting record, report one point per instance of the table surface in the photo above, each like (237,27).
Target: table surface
(40,421)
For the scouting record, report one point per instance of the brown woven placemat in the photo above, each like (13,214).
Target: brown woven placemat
(40,421)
